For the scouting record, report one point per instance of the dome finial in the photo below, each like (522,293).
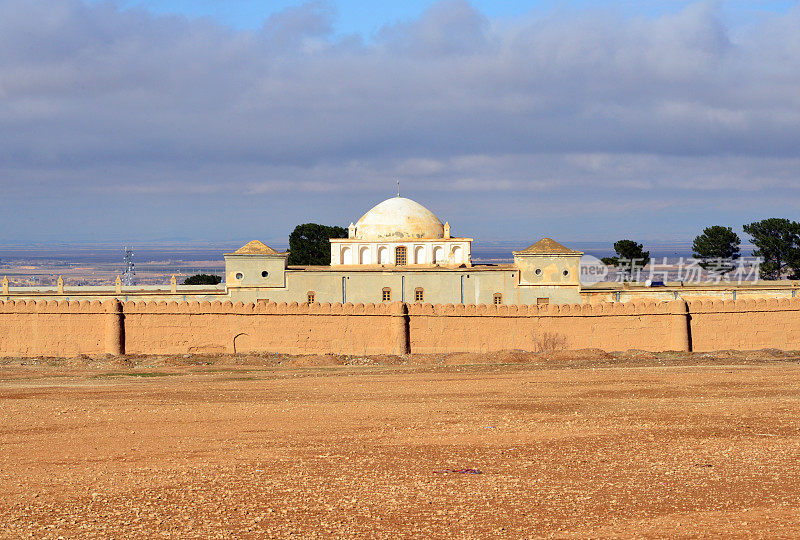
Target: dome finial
(398,187)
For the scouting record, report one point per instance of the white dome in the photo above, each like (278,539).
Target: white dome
(399,218)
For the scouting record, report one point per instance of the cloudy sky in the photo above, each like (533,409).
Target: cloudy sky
(157,120)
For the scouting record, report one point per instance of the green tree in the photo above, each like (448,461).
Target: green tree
(202,279)
(309,243)
(717,248)
(778,243)
(630,257)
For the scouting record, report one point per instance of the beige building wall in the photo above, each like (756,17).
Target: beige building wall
(441,286)
(549,270)
(255,271)
(331,282)
(149,293)
(629,292)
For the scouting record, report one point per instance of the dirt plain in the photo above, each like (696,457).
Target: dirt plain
(567,445)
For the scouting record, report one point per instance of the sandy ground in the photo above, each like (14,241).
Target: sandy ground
(567,445)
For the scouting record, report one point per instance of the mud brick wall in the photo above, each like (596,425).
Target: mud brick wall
(745,324)
(610,326)
(224,327)
(29,328)
(51,328)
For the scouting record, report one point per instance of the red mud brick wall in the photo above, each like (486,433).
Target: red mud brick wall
(29,328)
(51,328)
(610,326)
(745,324)
(223,327)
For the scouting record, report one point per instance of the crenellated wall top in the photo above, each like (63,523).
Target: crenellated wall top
(633,308)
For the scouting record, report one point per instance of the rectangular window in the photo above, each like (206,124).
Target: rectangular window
(498,299)
(387,294)
(310,297)
(418,295)
(541,301)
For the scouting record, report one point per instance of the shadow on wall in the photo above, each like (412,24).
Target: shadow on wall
(241,343)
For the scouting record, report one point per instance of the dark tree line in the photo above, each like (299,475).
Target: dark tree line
(203,279)
(777,243)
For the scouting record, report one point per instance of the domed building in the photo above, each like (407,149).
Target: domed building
(400,232)
(401,251)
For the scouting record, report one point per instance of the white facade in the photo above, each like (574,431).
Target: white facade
(434,252)
(400,232)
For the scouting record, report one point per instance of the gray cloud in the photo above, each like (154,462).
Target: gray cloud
(589,107)
(449,28)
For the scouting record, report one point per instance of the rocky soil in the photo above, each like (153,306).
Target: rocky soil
(578,444)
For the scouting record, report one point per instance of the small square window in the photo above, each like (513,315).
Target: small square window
(540,301)
(387,294)
(419,295)
(311,297)
(498,299)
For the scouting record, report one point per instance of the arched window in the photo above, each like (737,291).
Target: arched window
(458,255)
(347,255)
(498,298)
(438,255)
(364,255)
(386,294)
(383,255)
(419,255)
(419,295)
(311,297)
(400,256)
